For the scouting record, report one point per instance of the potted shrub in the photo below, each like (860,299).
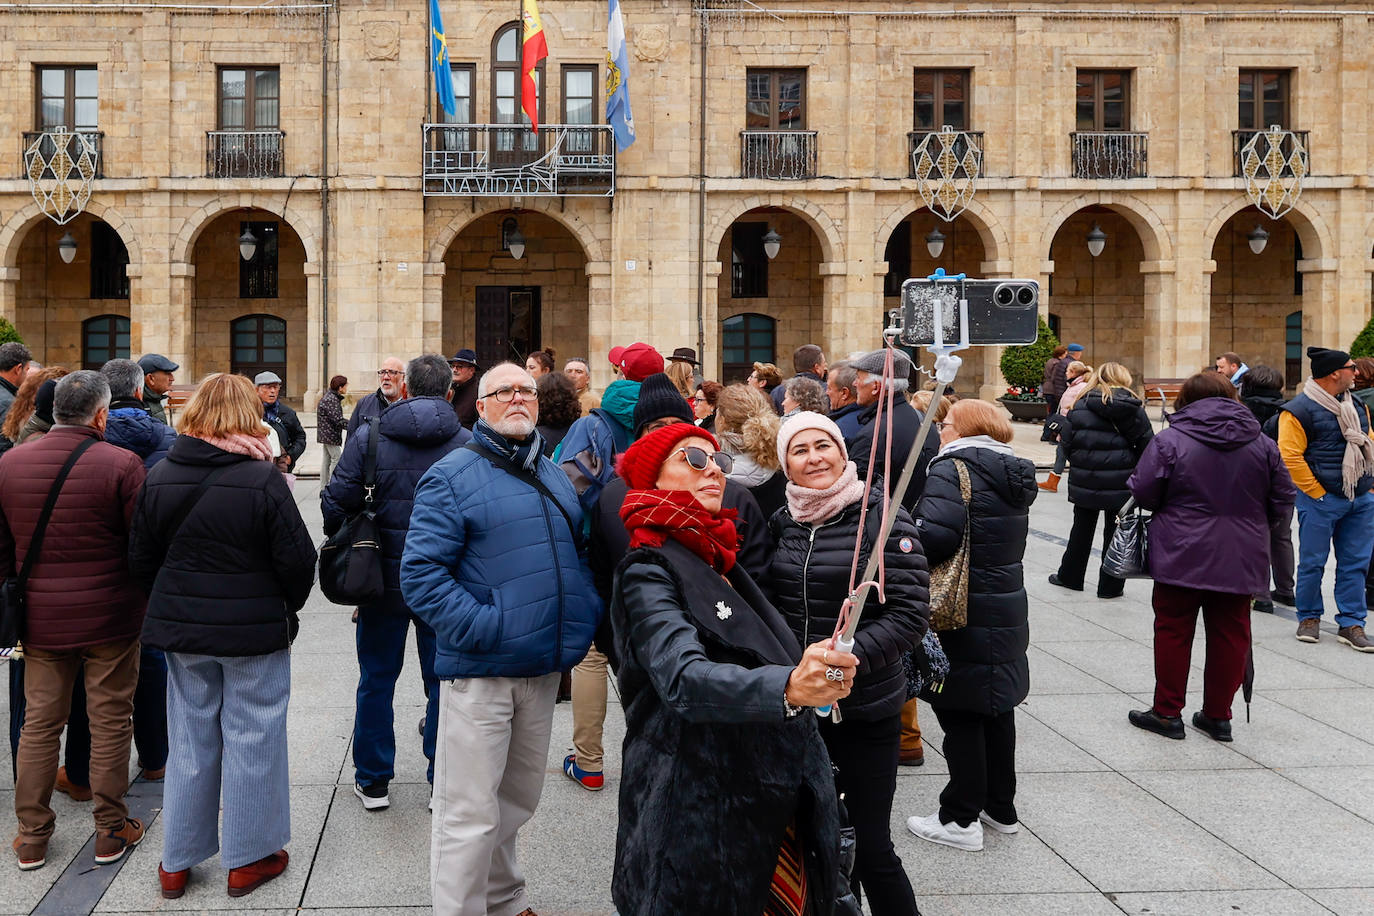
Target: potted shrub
(1023,367)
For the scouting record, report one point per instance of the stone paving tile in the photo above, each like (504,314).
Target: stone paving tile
(1345,709)
(20,891)
(1278,736)
(1017,905)
(1127,666)
(1350,787)
(1051,675)
(1052,623)
(1210,903)
(340,879)
(1328,655)
(1346,901)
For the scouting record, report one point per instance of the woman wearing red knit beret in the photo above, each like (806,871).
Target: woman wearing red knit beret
(727,793)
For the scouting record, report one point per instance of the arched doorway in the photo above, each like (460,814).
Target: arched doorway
(1255,295)
(504,307)
(262,298)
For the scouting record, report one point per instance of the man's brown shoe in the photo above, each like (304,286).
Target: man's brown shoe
(247,878)
(154,775)
(30,855)
(173,882)
(1309,630)
(527,912)
(111,845)
(911,758)
(67,787)
(1354,638)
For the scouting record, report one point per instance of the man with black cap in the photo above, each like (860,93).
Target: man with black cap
(157,382)
(808,361)
(1324,438)
(464,366)
(906,420)
(282,419)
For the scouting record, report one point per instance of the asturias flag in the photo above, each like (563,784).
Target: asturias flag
(533,50)
(438,50)
(618,113)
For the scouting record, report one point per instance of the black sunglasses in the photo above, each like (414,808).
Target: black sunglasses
(699,460)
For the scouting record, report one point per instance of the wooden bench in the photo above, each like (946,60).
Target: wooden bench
(177,398)
(1163,389)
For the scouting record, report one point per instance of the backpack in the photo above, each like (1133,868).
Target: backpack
(587,455)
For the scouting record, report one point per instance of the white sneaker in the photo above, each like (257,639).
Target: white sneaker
(998,825)
(374,797)
(969,838)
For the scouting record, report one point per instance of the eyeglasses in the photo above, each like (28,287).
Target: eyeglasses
(694,401)
(1352,367)
(699,459)
(384,373)
(506,393)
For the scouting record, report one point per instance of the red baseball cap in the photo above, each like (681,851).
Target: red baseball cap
(614,356)
(639,361)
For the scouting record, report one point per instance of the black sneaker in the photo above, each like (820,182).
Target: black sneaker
(1055,580)
(374,797)
(1288,599)
(1151,721)
(1262,605)
(1219,729)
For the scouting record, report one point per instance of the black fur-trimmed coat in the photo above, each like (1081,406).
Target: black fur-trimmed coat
(714,770)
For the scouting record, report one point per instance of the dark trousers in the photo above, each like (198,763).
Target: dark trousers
(865,754)
(1052,404)
(1074,565)
(1227,619)
(981,754)
(381,656)
(1281,558)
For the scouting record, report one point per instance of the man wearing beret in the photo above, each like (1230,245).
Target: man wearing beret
(1324,438)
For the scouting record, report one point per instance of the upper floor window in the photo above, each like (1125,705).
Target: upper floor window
(67,97)
(579,94)
(506,78)
(939,98)
(775,100)
(258,275)
(1103,100)
(249,98)
(1262,99)
(463,79)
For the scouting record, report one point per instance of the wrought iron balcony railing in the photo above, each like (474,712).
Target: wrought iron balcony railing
(789,155)
(244,153)
(1239,139)
(48,152)
(496,160)
(914,138)
(1113,154)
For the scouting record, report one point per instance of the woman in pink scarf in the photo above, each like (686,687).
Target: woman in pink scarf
(808,581)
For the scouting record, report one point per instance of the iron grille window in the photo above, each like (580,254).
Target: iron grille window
(941,97)
(258,275)
(1262,99)
(109,260)
(775,100)
(67,97)
(747,339)
(898,257)
(1103,100)
(748,263)
(249,98)
(103,338)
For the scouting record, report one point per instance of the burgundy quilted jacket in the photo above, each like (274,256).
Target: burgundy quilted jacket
(79,593)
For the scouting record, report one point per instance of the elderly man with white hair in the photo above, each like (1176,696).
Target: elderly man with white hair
(494,563)
(906,421)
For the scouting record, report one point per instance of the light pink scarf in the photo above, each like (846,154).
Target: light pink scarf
(810,506)
(241,444)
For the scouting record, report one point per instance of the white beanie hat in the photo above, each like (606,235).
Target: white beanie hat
(801,422)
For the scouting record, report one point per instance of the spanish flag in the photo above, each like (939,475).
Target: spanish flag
(533,50)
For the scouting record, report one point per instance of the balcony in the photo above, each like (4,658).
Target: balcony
(504,160)
(1111,155)
(48,151)
(244,153)
(961,147)
(787,155)
(1239,138)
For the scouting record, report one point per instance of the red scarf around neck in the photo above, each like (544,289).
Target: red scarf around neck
(653,516)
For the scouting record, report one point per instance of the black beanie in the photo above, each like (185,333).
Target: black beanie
(42,401)
(1325,362)
(659,398)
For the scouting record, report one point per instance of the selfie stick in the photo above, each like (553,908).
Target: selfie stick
(946,367)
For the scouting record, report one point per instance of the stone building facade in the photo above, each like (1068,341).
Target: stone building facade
(303,125)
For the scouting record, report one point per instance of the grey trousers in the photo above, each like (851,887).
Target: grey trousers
(328,462)
(226,730)
(492,754)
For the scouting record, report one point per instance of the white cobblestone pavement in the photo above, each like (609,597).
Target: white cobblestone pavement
(1114,820)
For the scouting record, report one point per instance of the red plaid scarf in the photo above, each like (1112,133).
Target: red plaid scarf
(653,516)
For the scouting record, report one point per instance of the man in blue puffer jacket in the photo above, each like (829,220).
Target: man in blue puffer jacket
(130,427)
(494,563)
(412,434)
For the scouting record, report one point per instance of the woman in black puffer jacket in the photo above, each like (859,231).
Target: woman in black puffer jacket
(1107,433)
(808,581)
(988,673)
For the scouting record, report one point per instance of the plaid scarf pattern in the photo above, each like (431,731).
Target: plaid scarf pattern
(653,516)
(524,454)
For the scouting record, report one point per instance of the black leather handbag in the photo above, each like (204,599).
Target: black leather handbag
(351,558)
(1128,554)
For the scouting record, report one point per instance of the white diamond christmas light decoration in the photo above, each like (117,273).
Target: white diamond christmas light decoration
(61,165)
(947,164)
(1274,166)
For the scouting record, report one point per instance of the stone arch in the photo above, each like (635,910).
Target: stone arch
(18,226)
(1154,235)
(1312,231)
(990,230)
(196,223)
(832,246)
(545,206)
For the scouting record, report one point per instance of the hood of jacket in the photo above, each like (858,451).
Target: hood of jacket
(420,421)
(1219,423)
(619,401)
(133,429)
(1122,405)
(1012,478)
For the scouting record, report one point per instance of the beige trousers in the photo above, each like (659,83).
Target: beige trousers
(589,710)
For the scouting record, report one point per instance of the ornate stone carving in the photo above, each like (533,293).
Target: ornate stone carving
(381,41)
(651,43)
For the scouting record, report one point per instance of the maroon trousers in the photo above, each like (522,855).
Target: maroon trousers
(1226,618)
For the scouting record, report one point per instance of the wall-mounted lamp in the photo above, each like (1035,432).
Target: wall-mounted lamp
(66,247)
(1257,238)
(513,238)
(1096,239)
(935,242)
(771,243)
(248,244)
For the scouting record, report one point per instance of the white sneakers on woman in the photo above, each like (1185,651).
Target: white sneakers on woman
(968,838)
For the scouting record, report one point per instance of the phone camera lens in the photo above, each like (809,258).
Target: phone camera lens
(1025,295)
(1004,295)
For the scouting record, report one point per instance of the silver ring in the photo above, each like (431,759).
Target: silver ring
(834,674)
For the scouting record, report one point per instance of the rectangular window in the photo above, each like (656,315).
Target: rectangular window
(748,263)
(463,78)
(249,98)
(1103,100)
(1262,99)
(258,275)
(941,97)
(67,97)
(109,258)
(579,94)
(775,100)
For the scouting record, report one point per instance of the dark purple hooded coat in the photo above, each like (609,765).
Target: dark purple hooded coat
(1215,484)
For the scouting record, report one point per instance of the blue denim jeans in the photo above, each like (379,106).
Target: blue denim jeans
(381,655)
(1347,526)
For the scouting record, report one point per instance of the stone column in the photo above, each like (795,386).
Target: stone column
(1165,354)
(181,320)
(601,330)
(712,362)
(9,293)
(433,305)
(846,327)
(1321,309)
(316,368)
(142,330)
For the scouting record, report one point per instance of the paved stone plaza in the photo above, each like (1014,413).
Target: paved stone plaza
(1114,819)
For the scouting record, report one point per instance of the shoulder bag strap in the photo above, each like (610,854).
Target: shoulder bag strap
(531,479)
(370,463)
(965,494)
(40,529)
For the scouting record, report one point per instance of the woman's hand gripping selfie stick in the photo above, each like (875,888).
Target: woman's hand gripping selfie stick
(946,368)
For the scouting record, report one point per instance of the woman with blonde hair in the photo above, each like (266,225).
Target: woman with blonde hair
(765,377)
(23,421)
(219,546)
(680,373)
(747,427)
(1105,434)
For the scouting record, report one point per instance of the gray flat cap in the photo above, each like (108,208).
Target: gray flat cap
(267,378)
(156,362)
(872,363)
